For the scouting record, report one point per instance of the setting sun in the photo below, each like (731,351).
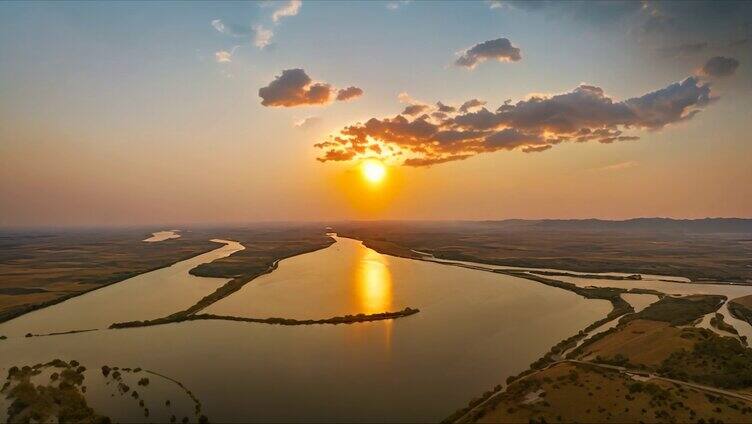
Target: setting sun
(373,170)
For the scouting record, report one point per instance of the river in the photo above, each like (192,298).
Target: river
(475,329)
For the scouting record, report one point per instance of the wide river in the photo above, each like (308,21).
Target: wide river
(475,328)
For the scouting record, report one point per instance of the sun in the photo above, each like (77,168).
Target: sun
(373,170)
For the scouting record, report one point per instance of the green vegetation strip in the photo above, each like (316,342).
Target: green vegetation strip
(347,319)
(679,310)
(740,311)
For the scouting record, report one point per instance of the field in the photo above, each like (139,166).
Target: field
(651,367)
(43,267)
(702,250)
(569,392)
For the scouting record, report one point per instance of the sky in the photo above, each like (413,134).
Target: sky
(148,113)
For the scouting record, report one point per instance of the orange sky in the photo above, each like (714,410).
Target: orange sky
(120,116)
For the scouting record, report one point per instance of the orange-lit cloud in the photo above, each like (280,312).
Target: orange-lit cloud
(289,8)
(537,124)
(295,88)
(349,93)
(500,49)
(223,56)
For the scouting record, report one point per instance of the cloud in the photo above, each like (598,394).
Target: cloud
(681,50)
(617,166)
(413,110)
(223,56)
(403,97)
(289,8)
(471,104)
(394,5)
(308,123)
(719,66)
(295,88)
(349,93)
(232,30)
(429,136)
(495,4)
(500,49)
(441,107)
(262,37)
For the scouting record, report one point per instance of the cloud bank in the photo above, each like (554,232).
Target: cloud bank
(438,134)
(500,49)
(295,88)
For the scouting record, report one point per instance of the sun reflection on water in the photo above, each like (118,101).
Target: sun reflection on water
(373,283)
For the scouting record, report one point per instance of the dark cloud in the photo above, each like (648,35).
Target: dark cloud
(444,108)
(349,93)
(532,125)
(471,104)
(434,160)
(720,66)
(677,102)
(500,49)
(680,50)
(653,22)
(295,88)
(413,110)
(511,138)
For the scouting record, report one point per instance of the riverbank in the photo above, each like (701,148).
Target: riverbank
(700,250)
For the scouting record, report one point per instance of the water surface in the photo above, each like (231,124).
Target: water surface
(162,236)
(475,329)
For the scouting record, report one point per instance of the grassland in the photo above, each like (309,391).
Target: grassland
(569,392)
(741,308)
(39,268)
(652,367)
(702,250)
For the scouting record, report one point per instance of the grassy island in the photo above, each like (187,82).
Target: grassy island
(347,319)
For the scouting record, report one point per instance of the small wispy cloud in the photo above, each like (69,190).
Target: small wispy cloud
(394,5)
(307,123)
(225,56)
(289,8)
(495,4)
(232,30)
(617,166)
(262,37)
